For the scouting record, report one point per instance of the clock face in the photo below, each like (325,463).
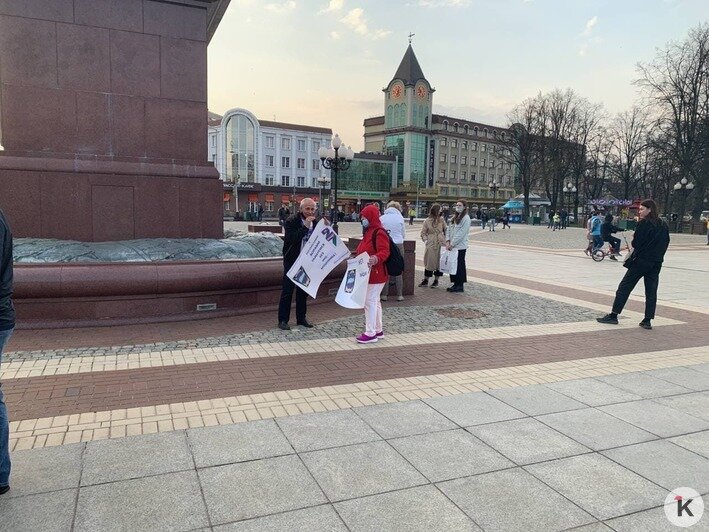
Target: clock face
(396,91)
(421,92)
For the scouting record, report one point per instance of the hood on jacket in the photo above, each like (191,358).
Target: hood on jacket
(394,211)
(371,213)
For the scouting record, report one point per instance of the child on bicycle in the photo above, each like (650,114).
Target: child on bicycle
(607,230)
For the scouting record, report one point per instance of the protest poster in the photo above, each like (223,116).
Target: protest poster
(323,251)
(353,288)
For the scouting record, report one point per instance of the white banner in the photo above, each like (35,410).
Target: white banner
(449,261)
(353,288)
(323,251)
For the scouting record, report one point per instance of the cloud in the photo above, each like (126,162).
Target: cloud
(281,8)
(444,3)
(334,5)
(356,21)
(590,24)
(334,35)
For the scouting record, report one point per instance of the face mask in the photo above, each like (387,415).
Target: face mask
(365,223)
(458,209)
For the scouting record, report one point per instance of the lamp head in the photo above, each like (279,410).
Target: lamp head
(336,141)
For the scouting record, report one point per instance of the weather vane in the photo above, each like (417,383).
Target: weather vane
(411,35)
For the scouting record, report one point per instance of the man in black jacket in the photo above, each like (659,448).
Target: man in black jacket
(607,230)
(298,227)
(7,324)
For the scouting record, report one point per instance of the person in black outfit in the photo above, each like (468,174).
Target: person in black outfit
(650,242)
(283,213)
(7,325)
(298,228)
(607,230)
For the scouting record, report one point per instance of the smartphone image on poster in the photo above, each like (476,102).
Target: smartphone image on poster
(301,277)
(350,282)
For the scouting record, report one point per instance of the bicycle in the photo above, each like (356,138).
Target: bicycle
(599,254)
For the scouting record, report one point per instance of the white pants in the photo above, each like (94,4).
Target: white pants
(373,309)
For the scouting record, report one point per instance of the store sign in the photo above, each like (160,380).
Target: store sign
(601,201)
(431,161)
(362,194)
(249,186)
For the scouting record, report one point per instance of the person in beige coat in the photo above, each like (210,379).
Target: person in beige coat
(433,234)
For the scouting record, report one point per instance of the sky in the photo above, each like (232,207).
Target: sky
(325,62)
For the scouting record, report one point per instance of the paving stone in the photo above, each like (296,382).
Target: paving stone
(694,404)
(44,511)
(593,527)
(536,399)
(164,502)
(358,470)
(473,408)
(525,441)
(237,443)
(47,469)
(253,489)
(135,457)
(644,385)
(682,376)
(598,485)
(450,454)
(697,442)
(321,518)
(311,432)
(656,418)
(653,520)
(593,392)
(423,508)
(595,429)
(700,367)
(665,464)
(513,500)
(403,419)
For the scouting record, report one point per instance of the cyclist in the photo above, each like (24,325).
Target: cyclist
(607,230)
(594,227)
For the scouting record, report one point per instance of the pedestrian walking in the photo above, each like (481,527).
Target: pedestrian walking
(506,220)
(7,325)
(283,213)
(394,223)
(375,242)
(557,221)
(433,234)
(457,238)
(412,215)
(650,242)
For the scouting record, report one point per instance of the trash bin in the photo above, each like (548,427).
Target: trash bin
(534,220)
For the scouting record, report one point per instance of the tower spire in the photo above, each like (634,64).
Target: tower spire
(410,36)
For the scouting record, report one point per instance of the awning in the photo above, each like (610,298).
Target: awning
(512,204)
(253,197)
(285,198)
(269,197)
(227,197)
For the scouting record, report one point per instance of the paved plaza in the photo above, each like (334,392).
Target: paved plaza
(507,407)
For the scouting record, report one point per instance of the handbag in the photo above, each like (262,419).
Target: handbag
(630,258)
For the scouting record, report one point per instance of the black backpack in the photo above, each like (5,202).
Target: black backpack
(395,263)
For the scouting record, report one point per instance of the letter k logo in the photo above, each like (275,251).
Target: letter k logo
(683,507)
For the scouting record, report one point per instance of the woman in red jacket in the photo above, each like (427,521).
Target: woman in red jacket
(376,243)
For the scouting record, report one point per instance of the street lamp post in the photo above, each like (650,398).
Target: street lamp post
(568,190)
(685,187)
(322,181)
(494,186)
(338,159)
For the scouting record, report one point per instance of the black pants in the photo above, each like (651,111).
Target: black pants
(431,273)
(614,242)
(411,220)
(460,276)
(301,299)
(650,273)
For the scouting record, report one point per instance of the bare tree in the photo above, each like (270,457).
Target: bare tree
(628,133)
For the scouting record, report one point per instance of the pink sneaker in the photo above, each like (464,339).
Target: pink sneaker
(364,339)
(380,334)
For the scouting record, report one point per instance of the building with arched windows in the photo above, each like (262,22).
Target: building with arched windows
(267,163)
(438,158)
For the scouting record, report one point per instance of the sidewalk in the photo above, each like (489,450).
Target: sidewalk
(504,408)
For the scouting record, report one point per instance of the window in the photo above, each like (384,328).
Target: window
(301,163)
(483,147)
(285,162)
(301,181)
(442,175)
(269,179)
(315,183)
(482,177)
(475,131)
(483,162)
(454,191)
(464,143)
(443,157)
(444,191)
(474,146)
(492,163)
(473,176)
(270,142)
(454,143)
(486,133)
(455,127)
(269,206)
(445,125)
(213,138)
(453,175)
(454,159)
(316,164)
(444,141)
(474,161)
(301,144)
(466,128)
(285,180)
(241,156)
(463,159)
(463,175)
(269,160)
(502,135)
(285,143)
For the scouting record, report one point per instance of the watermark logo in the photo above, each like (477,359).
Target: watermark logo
(684,507)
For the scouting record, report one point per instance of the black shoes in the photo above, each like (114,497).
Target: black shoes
(608,318)
(424,282)
(4,489)
(645,324)
(434,284)
(454,288)
(306,323)
(283,325)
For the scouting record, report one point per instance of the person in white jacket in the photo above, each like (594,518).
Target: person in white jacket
(394,223)
(457,238)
